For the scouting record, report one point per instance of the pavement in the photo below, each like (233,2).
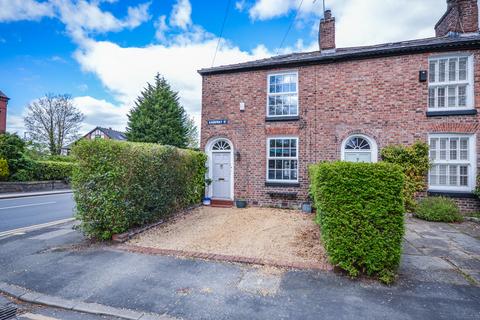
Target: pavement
(28,209)
(9,195)
(58,265)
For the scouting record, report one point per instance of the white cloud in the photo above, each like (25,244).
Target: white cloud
(240,5)
(161,27)
(137,15)
(15,124)
(83,17)
(181,14)
(178,62)
(268,9)
(16,10)
(101,113)
(362,22)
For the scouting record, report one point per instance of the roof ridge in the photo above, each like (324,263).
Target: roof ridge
(385,49)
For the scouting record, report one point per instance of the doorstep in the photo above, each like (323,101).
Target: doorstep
(217,203)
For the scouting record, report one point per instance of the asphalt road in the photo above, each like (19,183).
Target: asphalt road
(24,212)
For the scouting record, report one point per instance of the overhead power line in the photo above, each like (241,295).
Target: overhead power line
(221,31)
(290,26)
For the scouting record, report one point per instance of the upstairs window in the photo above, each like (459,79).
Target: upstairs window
(282,94)
(450,83)
(453,162)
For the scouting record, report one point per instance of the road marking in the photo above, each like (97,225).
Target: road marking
(52,234)
(29,205)
(34,227)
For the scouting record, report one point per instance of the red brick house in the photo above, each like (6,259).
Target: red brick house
(3,112)
(265,121)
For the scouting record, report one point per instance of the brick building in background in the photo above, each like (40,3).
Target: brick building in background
(265,121)
(3,112)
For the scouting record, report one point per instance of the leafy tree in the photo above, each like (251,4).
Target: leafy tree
(192,133)
(12,149)
(158,117)
(53,120)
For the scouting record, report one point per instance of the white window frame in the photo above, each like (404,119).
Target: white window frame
(373,147)
(472,163)
(470,103)
(283,73)
(282,158)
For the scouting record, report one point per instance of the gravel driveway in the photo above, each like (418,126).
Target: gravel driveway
(286,236)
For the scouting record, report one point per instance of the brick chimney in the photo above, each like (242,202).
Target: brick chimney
(3,112)
(326,36)
(461,17)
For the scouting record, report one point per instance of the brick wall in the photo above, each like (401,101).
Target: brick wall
(3,115)
(327,32)
(381,98)
(461,16)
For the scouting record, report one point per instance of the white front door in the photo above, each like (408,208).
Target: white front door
(358,156)
(221,175)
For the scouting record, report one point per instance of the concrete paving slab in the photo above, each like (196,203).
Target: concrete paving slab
(407,248)
(426,263)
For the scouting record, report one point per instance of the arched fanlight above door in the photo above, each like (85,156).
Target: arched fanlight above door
(359,148)
(221,145)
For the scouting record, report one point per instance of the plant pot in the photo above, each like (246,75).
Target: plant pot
(241,203)
(307,207)
(207,201)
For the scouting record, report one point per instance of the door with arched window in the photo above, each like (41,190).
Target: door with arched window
(359,148)
(221,169)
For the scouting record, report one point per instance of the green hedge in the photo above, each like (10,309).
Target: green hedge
(53,170)
(438,209)
(360,209)
(4,172)
(415,163)
(120,185)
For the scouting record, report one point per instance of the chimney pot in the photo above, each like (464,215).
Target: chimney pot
(328,14)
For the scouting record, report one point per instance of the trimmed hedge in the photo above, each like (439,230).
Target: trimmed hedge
(4,172)
(121,185)
(438,209)
(53,170)
(360,209)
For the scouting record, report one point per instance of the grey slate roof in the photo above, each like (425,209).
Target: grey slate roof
(3,95)
(113,134)
(449,42)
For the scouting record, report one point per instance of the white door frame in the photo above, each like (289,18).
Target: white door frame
(209,151)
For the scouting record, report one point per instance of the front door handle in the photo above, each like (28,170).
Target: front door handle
(221,179)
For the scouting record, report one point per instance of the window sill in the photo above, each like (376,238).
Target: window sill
(282,118)
(282,184)
(451,194)
(469,112)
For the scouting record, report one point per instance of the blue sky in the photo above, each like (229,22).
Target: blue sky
(103,52)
